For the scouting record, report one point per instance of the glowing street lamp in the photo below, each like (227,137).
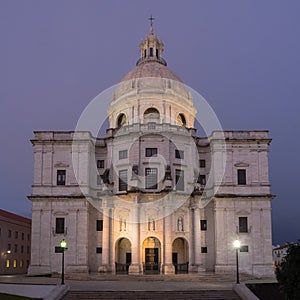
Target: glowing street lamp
(63,246)
(237,246)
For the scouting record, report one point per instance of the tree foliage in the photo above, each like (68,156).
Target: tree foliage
(288,272)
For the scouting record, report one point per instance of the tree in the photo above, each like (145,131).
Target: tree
(288,272)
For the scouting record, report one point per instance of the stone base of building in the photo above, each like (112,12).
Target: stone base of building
(77,269)
(264,270)
(34,270)
(105,269)
(196,269)
(168,269)
(135,269)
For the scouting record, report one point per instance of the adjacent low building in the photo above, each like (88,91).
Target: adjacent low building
(15,237)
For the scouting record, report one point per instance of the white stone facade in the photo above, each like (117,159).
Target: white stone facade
(151,196)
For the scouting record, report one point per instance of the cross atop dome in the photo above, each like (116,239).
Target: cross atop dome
(151,48)
(151,24)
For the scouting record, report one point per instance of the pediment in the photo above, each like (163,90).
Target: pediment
(241,164)
(243,212)
(61,164)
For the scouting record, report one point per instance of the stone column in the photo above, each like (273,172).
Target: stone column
(167,267)
(192,241)
(106,242)
(197,241)
(135,267)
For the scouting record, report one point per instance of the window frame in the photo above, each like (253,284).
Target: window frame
(203,225)
(241,177)
(99,225)
(179,180)
(100,163)
(150,178)
(60,227)
(202,163)
(123,180)
(204,249)
(61,177)
(244,249)
(179,154)
(151,152)
(123,154)
(243,225)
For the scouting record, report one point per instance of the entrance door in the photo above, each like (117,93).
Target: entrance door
(151,260)
(128,260)
(175,260)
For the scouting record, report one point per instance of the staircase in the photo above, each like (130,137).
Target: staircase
(157,295)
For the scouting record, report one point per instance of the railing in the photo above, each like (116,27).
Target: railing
(181,268)
(151,268)
(152,58)
(122,268)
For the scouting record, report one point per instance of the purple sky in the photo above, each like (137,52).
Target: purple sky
(242,56)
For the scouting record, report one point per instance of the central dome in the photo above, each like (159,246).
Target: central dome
(151,68)
(151,93)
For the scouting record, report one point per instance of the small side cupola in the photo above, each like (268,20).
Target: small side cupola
(151,48)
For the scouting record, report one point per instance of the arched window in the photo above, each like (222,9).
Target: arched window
(181,120)
(121,120)
(151,113)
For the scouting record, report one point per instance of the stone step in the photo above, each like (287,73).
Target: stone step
(157,295)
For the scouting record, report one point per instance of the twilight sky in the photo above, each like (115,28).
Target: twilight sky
(242,56)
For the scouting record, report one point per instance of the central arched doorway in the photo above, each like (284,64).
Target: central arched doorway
(180,255)
(123,256)
(151,255)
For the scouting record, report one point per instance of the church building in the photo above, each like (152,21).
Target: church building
(150,196)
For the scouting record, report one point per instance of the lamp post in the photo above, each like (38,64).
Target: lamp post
(237,246)
(63,246)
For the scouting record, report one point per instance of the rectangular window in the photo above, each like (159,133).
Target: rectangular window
(244,248)
(179,154)
(202,179)
(21,263)
(123,154)
(61,177)
(179,179)
(99,225)
(9,247)
(60,225)
(9,233)
(241,176)
(203,249)
(202,163)
(98,249)
(7,263)
(16,234)
(99,180)
(15,263)
(203,225)
(28,237)
(23,236)
(100,163)
(151,178)
(151,152)
(16,248)
(28,249)
(243,224)
(22,249)
(123,180)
